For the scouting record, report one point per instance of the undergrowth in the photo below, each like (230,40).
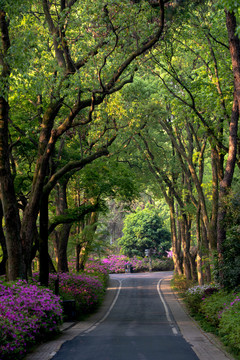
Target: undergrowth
(216,310)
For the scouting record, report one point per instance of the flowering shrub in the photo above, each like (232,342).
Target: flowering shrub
(27,312)
(196,294)
(116,264)
(86,290)
(169,254)
(98,269)
(93,267)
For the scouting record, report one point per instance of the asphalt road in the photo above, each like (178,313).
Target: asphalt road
(138,326)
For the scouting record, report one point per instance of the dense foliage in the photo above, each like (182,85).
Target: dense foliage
(216,309)
(61,64)
(28,314)
(129,101)
(90,114)
(230,264)
(143,230)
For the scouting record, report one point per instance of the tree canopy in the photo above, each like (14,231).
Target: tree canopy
(143,230)
(116,99)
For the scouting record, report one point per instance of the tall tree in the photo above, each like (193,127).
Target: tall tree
(8,198)
(225,184)
(86,54)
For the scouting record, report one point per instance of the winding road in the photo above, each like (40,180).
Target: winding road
(137,326)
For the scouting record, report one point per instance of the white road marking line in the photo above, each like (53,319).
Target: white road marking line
(107,313)
(174,330)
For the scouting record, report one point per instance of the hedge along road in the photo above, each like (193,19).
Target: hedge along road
(138,326)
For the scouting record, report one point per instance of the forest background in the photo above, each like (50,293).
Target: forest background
(104,105)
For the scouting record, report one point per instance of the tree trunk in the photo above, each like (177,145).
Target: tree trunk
(225,184)
(31,211)
(78,249)
(52,269)
(234,47)
(212,226)
(199,247)
(43,243)
(87,238)
(3,245)
(176,247)
(9,202)
(7,191)
(185,231)
(193,264)
(62,247)
(82,257)
(205,253)
(64,230)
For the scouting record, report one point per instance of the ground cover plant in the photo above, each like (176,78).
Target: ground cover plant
(223,311)
(212,307)
(216,309)
(28,314)
(229,324)
(197,294)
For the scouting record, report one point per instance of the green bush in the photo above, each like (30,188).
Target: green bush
(217,311)
(194,296)
(213,306)
(144,229)
(229,324)
(227,272)
(181,283)
(162,264)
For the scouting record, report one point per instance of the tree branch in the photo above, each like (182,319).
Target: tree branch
(72,216)
(146,46)
(78,164)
